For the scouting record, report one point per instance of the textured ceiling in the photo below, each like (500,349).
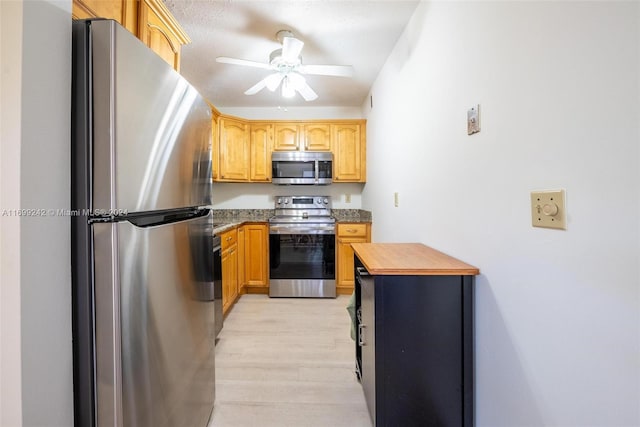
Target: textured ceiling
(360,33)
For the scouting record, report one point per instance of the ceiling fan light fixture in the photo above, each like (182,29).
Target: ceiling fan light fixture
(288,91)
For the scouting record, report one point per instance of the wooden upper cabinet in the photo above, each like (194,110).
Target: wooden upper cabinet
(260,156)
(286,137)
(159,30)
(123,11)
(149,20)
(348,152)
(233,149)
(317,137)
(242,148)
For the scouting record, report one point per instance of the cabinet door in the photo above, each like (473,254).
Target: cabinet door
(229,277)
(241,259)
(233,271)
(226,281)
(347,234)
(317,137)
(257,255)
(159,30)
(124,12)
(286,137)
(348,153)
(345,277)
(234,150)
(261,138)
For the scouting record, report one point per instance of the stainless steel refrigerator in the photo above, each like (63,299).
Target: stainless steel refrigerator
(143,303)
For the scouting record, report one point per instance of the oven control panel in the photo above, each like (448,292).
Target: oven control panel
(303,202)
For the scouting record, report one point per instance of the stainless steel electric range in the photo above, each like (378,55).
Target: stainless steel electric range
(302,248)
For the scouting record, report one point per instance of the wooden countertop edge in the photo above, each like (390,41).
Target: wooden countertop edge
(404,259)
(422,272)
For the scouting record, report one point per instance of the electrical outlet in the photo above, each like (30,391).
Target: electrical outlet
(395,199)
(347,198)
(548,210)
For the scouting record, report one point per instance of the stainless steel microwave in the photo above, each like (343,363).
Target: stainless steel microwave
(301,167)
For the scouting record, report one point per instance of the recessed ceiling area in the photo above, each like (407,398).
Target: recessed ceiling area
(356,33)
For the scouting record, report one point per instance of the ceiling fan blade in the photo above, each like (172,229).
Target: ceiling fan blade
(235,61)
(307,93)
(257,87)
(291,48)
(327,70)
(273,81)
(298,82)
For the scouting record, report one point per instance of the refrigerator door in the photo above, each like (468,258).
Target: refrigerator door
(155,331)
(151,128)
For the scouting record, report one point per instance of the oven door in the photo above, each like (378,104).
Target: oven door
(302,261)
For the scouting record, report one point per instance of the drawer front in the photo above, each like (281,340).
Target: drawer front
(352,230)
(228,239)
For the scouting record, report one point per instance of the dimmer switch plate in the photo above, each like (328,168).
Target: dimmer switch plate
(473,120)
(548,209)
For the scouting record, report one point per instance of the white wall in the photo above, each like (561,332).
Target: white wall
(37,386)
(261,196)
(557,312)
(10,134)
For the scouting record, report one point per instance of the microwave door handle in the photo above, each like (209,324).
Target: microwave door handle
(317,171)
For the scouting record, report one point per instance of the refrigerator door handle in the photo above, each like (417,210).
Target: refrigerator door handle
(150,219)
(167,217)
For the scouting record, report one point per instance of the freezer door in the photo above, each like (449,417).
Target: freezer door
(155,331)
(151,129)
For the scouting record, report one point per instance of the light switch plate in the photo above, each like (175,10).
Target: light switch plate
(473,120)
(548,209)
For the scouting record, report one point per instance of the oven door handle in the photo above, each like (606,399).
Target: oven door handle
(299,230)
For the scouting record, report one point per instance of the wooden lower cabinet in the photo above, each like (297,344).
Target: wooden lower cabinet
(229,246)
(245,262)
(346,234)
(256,257)
(241,260)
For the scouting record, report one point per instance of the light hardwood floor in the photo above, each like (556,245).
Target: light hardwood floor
(287,362)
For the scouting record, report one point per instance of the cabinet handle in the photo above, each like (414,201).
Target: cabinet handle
(361,342)
(351,230)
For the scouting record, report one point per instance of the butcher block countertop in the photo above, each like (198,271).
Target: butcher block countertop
(413,259)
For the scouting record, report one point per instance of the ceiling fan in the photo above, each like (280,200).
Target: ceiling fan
(287,67)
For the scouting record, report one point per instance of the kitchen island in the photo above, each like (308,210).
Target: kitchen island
(414,335)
